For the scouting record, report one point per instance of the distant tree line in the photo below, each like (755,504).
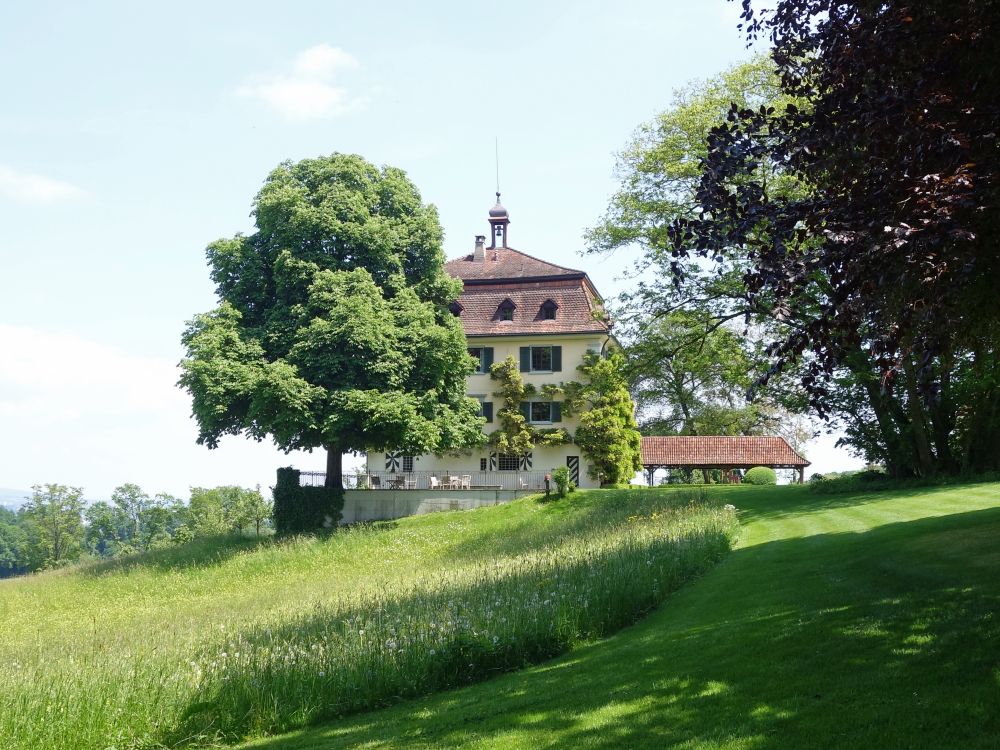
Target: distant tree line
(56,527)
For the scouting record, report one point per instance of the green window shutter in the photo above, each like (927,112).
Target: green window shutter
(556,411)
(526,410)
(488,410)
(525,359)
(487,358)
(556,359)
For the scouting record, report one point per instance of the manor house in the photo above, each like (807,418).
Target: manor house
(544,316)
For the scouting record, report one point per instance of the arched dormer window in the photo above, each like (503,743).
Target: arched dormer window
(456,309)
(548,310)
(506,310)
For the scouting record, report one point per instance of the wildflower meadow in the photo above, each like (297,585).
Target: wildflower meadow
(242,640)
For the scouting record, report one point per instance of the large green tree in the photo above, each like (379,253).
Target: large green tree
(695,346)
(333,329)
(57,512)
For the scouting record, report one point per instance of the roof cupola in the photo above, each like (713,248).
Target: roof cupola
(498,224)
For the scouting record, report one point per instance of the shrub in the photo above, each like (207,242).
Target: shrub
(303,510)
(561,478)
(761,475)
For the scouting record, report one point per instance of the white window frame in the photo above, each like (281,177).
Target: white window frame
(532,358)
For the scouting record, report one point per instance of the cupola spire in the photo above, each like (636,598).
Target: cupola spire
(498,224)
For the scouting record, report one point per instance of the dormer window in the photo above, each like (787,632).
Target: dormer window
(506,310)
(456,309)
(548,310)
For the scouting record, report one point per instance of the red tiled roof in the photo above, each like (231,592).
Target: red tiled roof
(719,451)
(574,314)
(505,263)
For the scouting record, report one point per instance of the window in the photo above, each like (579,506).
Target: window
(541,358)
(484,355)
(482,464)
(542,411)
(485,407)
(548,311)
(506,310)
(407,463)
(477,354)
(509,462)
(456,309)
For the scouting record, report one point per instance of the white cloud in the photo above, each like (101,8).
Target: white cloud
(34,188)
(322,61)
(308,90)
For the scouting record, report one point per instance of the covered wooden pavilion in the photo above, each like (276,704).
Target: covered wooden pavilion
(718,452)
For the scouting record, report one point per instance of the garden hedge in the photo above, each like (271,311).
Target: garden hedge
(761,475)
(304,510)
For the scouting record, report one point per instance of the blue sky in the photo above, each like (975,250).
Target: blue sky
(133,135)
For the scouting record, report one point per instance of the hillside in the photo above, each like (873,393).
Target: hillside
(221,639)
(839,622)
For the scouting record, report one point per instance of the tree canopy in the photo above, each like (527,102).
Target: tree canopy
(333,329)
(885,261)
(841,209)
(695,347)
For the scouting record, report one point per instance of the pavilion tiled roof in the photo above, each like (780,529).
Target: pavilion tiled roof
(719,451)
(506,263)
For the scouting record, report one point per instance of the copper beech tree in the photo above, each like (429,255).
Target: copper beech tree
(884,262)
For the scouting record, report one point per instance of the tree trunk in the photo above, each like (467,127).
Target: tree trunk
(334,466)
(918,419)
(897,459)
(942,417)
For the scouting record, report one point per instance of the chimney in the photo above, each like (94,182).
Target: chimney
(480,254)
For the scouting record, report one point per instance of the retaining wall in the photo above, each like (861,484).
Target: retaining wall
(383,505)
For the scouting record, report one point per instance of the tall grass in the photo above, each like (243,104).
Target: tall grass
(276,637)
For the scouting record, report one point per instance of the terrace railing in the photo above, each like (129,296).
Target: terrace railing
(445,481)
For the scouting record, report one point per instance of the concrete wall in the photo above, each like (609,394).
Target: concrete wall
(383,505)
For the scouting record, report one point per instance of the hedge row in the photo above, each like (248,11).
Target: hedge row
(303,510)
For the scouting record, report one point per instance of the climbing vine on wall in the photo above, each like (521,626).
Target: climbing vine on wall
(608,435)
(515,435)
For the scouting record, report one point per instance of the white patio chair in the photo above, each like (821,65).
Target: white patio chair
(466,482)
(435,483)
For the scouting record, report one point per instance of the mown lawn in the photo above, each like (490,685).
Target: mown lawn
(839,622)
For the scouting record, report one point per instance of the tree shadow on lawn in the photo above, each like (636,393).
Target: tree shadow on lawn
(886,638)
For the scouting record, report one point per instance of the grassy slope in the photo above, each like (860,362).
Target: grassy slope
(111,654)
(861,621)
